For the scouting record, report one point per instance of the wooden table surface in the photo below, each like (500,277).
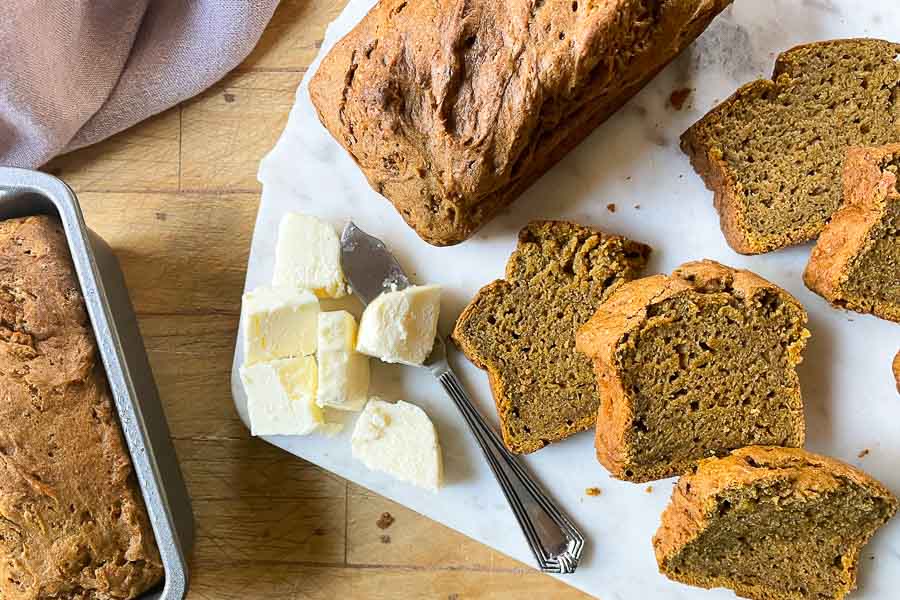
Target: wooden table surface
(176,197)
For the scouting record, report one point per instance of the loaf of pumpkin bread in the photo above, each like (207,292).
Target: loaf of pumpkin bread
(452,109)
(72,521)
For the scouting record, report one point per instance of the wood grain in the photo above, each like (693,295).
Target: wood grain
(176,197)
(144,158)
(228,128)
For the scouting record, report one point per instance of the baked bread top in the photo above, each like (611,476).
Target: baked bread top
(522,329)
(452,108)
(773,151)
(72,521)
(771,524)
(856,262)
(692,365)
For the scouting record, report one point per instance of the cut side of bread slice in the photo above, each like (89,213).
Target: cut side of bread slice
(693,365)
(771,524)
(773,151)
(856,262)
(521,330)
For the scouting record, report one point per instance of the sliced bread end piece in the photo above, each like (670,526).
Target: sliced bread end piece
(771,524)
(693,365)
(856,262)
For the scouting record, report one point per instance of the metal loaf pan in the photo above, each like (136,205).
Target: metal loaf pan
(122,350)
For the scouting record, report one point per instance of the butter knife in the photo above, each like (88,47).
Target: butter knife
(554,540)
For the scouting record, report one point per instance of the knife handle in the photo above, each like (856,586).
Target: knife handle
(555,541)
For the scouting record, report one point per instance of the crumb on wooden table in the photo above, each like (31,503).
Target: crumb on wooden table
(611,207)
(863,453)
(649,489)
(385,520)
(678,97)
(385,539)
(593,491)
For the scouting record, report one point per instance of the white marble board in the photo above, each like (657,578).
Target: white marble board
(631,160)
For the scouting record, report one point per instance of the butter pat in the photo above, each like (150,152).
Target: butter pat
(343,372)
(279,323)
(399,327)
(400,440)
(281,396)
(308,256)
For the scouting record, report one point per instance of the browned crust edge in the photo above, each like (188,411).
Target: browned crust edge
(867,192)
(896,368)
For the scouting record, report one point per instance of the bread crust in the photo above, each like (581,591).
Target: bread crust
(623,314)
(694,499)
(452,109)
(72,521)
(896,368)
(707,160)
(867,193)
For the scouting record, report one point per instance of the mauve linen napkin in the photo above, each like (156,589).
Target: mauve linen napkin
(73,72)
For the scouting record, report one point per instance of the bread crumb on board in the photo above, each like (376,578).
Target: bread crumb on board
(649,489)
(678,97)
(593,491)
(611,207)
(863,453)
(385,539)
(385,520)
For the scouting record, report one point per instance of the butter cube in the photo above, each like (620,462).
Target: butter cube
(281,396)
(279,323)
(343,372)
(398,439)
(400,326)
(308,256)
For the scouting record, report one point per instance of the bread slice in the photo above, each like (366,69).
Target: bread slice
(522,329)
(856,262)
(692,365)
(771,524)
(452,110)
(772,153)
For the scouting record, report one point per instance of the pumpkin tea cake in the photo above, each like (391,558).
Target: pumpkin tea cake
(771,524)
(453,109)
(522,329)
(772,153)
(692,365)
(856,262)
(73,525)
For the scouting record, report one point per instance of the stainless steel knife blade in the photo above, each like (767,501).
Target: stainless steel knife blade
(368,265)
